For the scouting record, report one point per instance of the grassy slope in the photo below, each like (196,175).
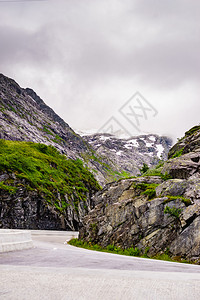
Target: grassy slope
(44,169)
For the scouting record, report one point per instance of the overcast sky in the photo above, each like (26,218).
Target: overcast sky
(87,58)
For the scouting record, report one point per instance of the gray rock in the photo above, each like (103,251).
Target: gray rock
(173,187)
(184,166)
(124,216)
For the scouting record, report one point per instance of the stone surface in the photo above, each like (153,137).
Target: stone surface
(187,144)
(125,217)
(184,166)
(27,209)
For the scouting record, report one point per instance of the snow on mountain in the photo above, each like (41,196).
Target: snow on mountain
(130,154)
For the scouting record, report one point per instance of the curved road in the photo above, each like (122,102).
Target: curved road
(55,270)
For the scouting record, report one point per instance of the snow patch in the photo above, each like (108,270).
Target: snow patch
(149,144)
(152,138)
(128,146)
(119,152)
(160,149)
(104,138)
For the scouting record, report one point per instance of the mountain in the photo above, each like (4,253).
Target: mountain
(129,155)
(45,167)
(158,213)
(25,117)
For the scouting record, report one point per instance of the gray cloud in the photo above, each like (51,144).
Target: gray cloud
(87,54)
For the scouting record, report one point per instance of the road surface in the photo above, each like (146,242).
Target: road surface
(55,270)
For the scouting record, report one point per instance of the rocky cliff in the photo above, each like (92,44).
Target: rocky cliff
(25,117)
(157,214)
(42,189)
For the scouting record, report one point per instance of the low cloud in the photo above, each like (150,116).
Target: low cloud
(87,54)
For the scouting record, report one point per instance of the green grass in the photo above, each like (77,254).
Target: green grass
(115,176)
(47,130)
(146,189)
(8,188)
(186,201)
(157,171)
(177,153)
(110,248)
(173,211)
(45,170)
(132,251)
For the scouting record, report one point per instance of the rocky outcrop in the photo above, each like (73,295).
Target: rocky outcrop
(26,208)
(147,212)
(187,144)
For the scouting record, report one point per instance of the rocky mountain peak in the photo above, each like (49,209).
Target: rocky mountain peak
(130,154)
(24,116)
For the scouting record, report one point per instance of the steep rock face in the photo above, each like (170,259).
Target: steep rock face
(184,157)
(123,215)
(27,208)
(152,214)
(40,188)
(129,154)
(187,144)
(25,117)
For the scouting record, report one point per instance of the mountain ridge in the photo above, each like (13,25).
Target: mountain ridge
(24,116)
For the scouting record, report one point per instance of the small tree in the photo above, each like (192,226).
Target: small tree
(144,168)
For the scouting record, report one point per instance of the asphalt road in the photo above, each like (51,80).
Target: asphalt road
(55,270)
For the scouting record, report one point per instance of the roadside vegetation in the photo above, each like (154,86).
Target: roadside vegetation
(132,251)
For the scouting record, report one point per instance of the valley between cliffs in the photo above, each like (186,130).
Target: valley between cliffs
(52,178)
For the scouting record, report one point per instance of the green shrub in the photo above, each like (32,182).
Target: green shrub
(173,211)
(147,189)
(151,193)
(8,188)
(134,251)
(110,248)
(144,168)
(186,201)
